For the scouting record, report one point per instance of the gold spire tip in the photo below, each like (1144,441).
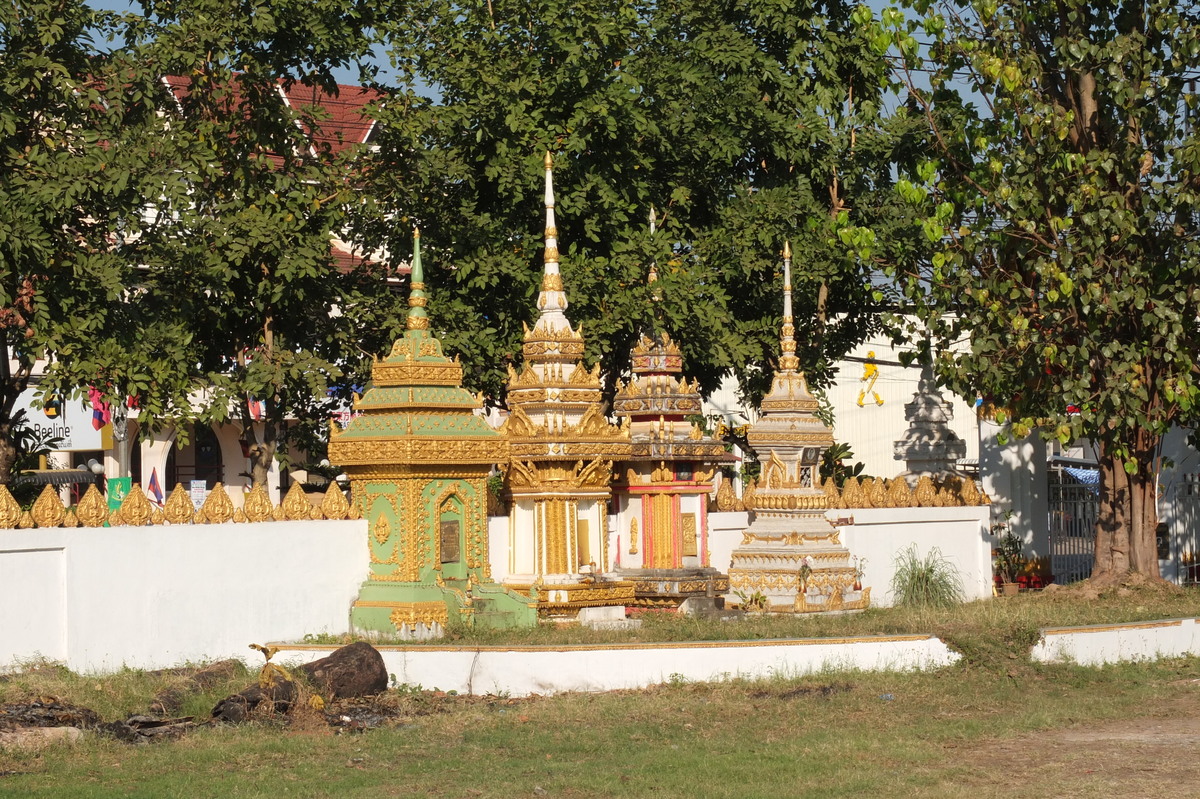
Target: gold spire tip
(416,232)
(787,249)
(549,161)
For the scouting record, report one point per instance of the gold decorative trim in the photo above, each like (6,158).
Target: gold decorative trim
(179,508)
(92,510)
(48,510)
(217,507)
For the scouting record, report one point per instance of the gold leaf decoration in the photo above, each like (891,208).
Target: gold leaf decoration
(334,505)
(92,510)
(217,507)
(833,497)
(899,495)
(26,520)
(877,493)
(277,514)
(726,499)
(239,516)
(157,516)
(48,510)
(969,493)
(179,508)
(633,532)
(70,520)
(925,494)
(749,494)
(10,511)
(135,510)
(316,514)
(258,505)
(852,494)
(382,531)
(355,511)
(295,505)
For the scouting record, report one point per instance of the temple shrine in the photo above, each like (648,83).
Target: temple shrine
(661,492)
(791,557)
(418,458)
(561,451)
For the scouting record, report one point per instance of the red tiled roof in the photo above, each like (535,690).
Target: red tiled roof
(342,120)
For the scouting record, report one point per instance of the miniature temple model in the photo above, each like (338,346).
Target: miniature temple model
(561,450)
(661,492)
(418,458)
(929,447)
(791,558)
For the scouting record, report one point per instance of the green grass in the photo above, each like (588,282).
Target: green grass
(831,735)
(834,735)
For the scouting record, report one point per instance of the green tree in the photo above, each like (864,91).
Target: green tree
(1062,194)
(743,125)
(255,195)
(73,177)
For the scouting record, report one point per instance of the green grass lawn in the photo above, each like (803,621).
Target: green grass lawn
(937,734)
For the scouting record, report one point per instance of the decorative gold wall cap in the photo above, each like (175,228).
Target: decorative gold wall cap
(48,510)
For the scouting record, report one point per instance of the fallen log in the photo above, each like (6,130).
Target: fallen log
(353,670)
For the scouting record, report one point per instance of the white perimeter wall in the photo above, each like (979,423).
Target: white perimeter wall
(880,534)
(1111,643)
(959,534)
(521,671)
(154,597)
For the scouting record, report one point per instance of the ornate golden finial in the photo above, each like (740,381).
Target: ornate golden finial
(548,160)
(788,362)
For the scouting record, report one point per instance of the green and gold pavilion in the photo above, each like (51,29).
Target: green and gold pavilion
(561,451)
(418,458)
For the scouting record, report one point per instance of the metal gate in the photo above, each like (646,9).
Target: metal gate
(1182,514)
(1073,508)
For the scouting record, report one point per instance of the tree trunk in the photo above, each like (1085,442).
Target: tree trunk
(1127,522)
(8,453)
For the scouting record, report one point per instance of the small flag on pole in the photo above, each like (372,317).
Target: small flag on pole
(155,488)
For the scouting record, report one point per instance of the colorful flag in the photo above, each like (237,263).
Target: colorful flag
(256,409)
(154,487)
(101,413)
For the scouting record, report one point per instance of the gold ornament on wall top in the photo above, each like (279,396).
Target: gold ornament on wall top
(10,511)
(217,507)
(295,505)
(135,510)
(92,510)
(48,510)
(179,508)
(257,505)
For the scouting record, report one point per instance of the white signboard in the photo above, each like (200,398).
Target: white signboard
(71,421)
(199,492)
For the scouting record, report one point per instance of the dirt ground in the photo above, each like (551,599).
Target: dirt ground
(1153,755)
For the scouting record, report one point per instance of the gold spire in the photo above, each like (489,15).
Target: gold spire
(417,319)
(788,362)
(552,297)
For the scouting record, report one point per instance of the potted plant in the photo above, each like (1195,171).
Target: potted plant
(1007,557)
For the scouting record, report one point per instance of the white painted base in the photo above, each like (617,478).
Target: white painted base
(609,613)
(523,671)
